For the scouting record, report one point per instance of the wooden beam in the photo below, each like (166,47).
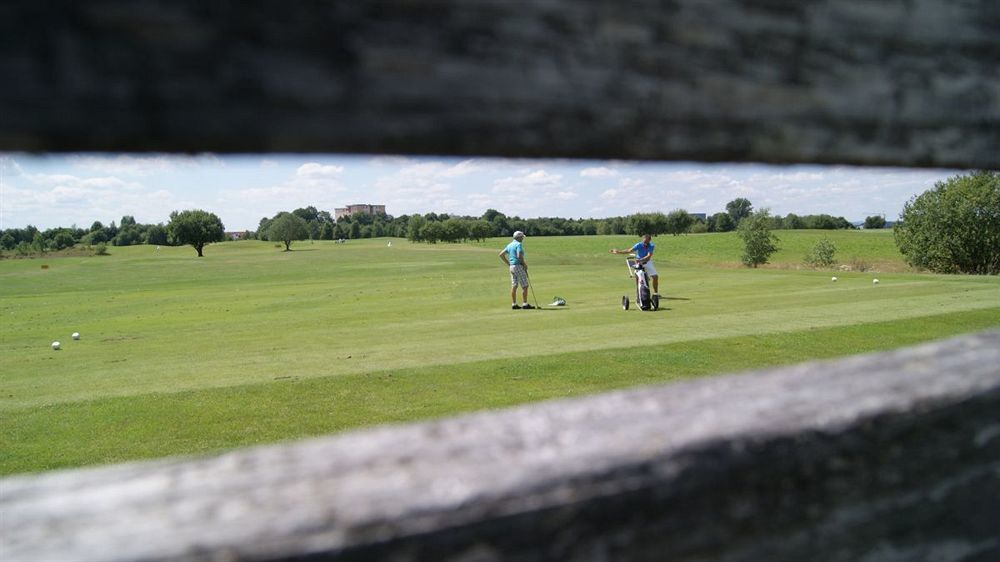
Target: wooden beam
(906,83)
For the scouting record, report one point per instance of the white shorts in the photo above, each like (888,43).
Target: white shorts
(650,268)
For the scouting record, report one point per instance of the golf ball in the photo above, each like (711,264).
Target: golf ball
(55,345)
(833,279)
(874,281)
(76,335)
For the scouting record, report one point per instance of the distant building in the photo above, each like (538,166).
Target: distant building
(352,209)
(235,235)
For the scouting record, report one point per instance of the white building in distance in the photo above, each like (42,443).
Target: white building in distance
(352,209)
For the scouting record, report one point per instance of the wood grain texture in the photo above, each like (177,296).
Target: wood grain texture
(898,82)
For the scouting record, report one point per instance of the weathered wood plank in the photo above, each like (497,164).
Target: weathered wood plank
(894,456)
(900,82)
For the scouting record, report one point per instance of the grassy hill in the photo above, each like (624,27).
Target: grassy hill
(181,355)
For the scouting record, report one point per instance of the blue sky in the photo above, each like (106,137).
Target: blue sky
(62,190)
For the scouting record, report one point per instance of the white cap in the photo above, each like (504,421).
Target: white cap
(518,234)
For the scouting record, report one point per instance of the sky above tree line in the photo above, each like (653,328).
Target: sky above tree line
(62,190)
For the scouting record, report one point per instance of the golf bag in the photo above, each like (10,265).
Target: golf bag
(643,296)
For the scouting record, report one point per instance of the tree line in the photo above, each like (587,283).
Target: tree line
(310,223)
(952,228)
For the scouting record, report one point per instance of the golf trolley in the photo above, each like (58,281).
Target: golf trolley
(643,296)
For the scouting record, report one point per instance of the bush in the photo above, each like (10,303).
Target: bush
(759,242)
(955,227)
(822,254)
(101,249)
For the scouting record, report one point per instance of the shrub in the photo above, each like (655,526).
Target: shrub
(101,249)
(759,242)
(822,254)
(955,227)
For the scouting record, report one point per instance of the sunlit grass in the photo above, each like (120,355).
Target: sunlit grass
(249,344)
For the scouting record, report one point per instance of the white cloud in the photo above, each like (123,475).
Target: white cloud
(632,183)
(65,199)
(527,182)
(128,165)
(464,167)
(599,172)
(313,169)
(311,184)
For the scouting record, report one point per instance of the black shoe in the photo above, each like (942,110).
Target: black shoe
(514,307)
(527,306)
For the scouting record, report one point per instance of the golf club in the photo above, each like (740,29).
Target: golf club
(532,287)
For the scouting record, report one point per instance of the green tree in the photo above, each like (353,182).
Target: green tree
(341,231)
(38,243)
(822,254)
(793,222)
(128,235)
(480,230)
(491,215)
(415,227)
(721,222)
(61,239)
(678,222)
(156,235)
(308,214)
(94,237)
(432,231)
(287,227)
(646,223)
(355,230)
(874,222)
(739,209)
(454,230)
(196,228)
(759,243)
(955,227)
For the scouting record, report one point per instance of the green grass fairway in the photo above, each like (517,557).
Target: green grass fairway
(249,344)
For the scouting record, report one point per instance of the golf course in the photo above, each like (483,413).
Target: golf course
(250,344)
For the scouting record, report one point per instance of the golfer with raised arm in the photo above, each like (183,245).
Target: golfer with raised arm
(643,251)
(513,256)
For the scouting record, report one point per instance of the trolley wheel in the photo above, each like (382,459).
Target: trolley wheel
(624,303)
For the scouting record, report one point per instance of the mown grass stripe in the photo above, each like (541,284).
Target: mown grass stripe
(143,426)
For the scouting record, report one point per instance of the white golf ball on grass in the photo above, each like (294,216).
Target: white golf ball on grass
(55,346)
(834,279)
(874,281)
(76,335)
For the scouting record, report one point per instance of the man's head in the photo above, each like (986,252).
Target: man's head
(518,236)
(646,238)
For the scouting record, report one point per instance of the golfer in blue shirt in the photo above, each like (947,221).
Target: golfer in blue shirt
(643,251)
(513,256)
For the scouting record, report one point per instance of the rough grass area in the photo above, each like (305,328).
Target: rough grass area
(183,355)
